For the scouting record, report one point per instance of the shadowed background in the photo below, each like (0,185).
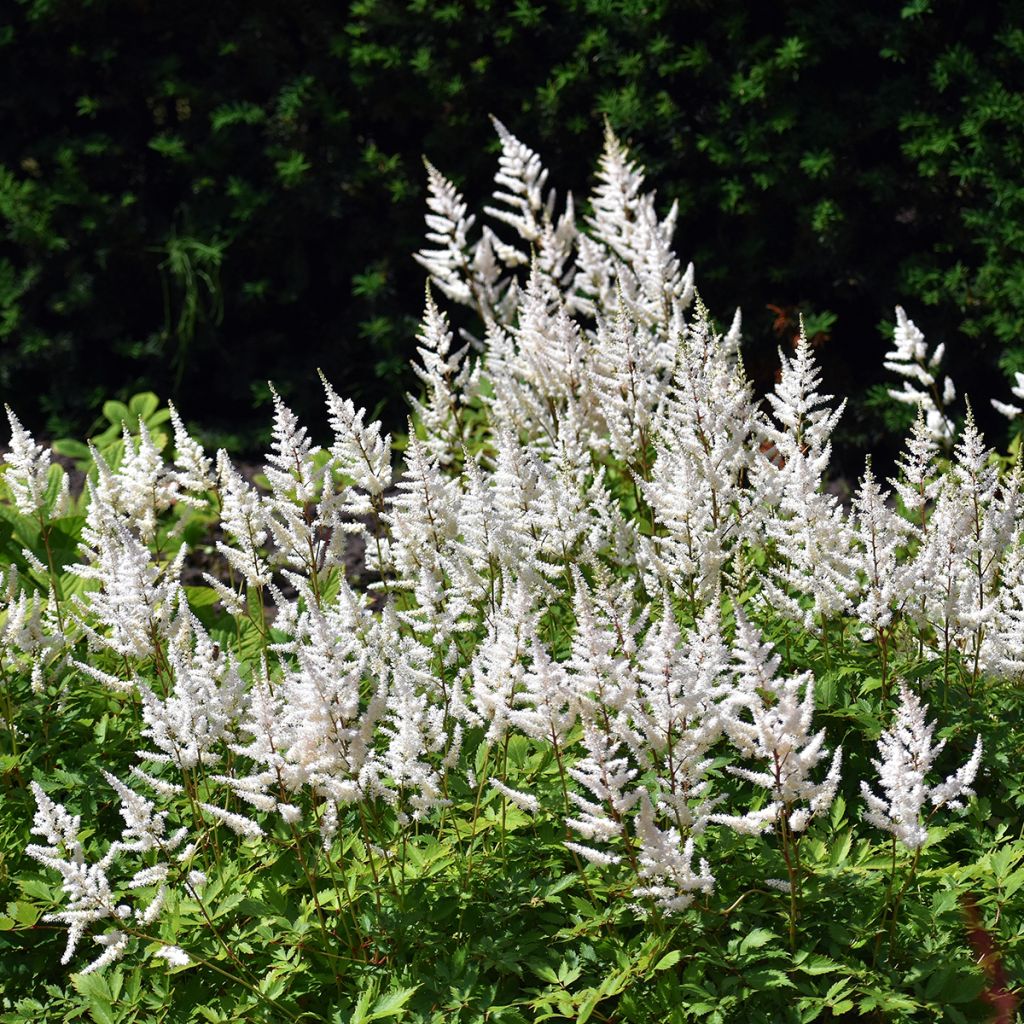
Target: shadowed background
(195,198)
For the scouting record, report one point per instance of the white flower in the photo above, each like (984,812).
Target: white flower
(28,468)
(770,722)
(174,956)
(907,755)
(238,824)
(909,358)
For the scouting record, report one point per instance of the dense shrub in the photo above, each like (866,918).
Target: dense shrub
(195,198)
(619,714)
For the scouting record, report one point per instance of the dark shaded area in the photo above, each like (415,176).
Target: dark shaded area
(196,198)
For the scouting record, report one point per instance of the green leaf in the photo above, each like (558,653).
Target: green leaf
(72,449)
(24,913)
(211,1015)
(670,959)
(230,114)
(817,963)
(392,1004)
(388,1007)
(116,412)
(757,938)
(840,849)
(96,992)
(588,1005)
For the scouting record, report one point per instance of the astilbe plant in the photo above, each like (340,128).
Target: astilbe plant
(598,547)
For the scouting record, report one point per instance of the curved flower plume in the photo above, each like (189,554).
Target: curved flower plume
(906,756)
(1010,409)
(193,474)
(27,468)
(919,480)
(448,224)
(697,489)
(199,716)
(770,721)
(244,520)
(1003,648)
(520,179)
(136,600)
(360,453)
(910,358)
(811,535)
(881,532)
(93,897)
(300,512)
(631,259)
(444,375)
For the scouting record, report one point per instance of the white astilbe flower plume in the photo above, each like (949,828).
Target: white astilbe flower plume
(244,521)
(137,600)
(811,535)
(665,863)
(498,667)
(1003,650)
(697,488)
(193,469)
(630,374)
(413,732)
(144,487)
(174,955)
(992,509)
(520,179)
(600,670)
(358,452)
(24,627)
(1010,409)
(315,725)
(881,533)
(919,480)
(538,362)
(770,721)
(606,776)
(910,358)
(630,249)
(207,697)
(444,374)
(27,468)
(423,524)
(544,707)
(301,513)
(906,756)
(945,581)
(92,896)
(449,224)
(523,205)
(677,718)
(805,420)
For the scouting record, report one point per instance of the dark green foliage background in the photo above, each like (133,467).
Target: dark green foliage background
(195,197)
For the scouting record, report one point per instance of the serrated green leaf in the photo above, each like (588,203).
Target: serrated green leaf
(755,939)
(589,1004)
(392,1004)
(818,963)
(670,959)
(96,992)
(24,913)
(840,849)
